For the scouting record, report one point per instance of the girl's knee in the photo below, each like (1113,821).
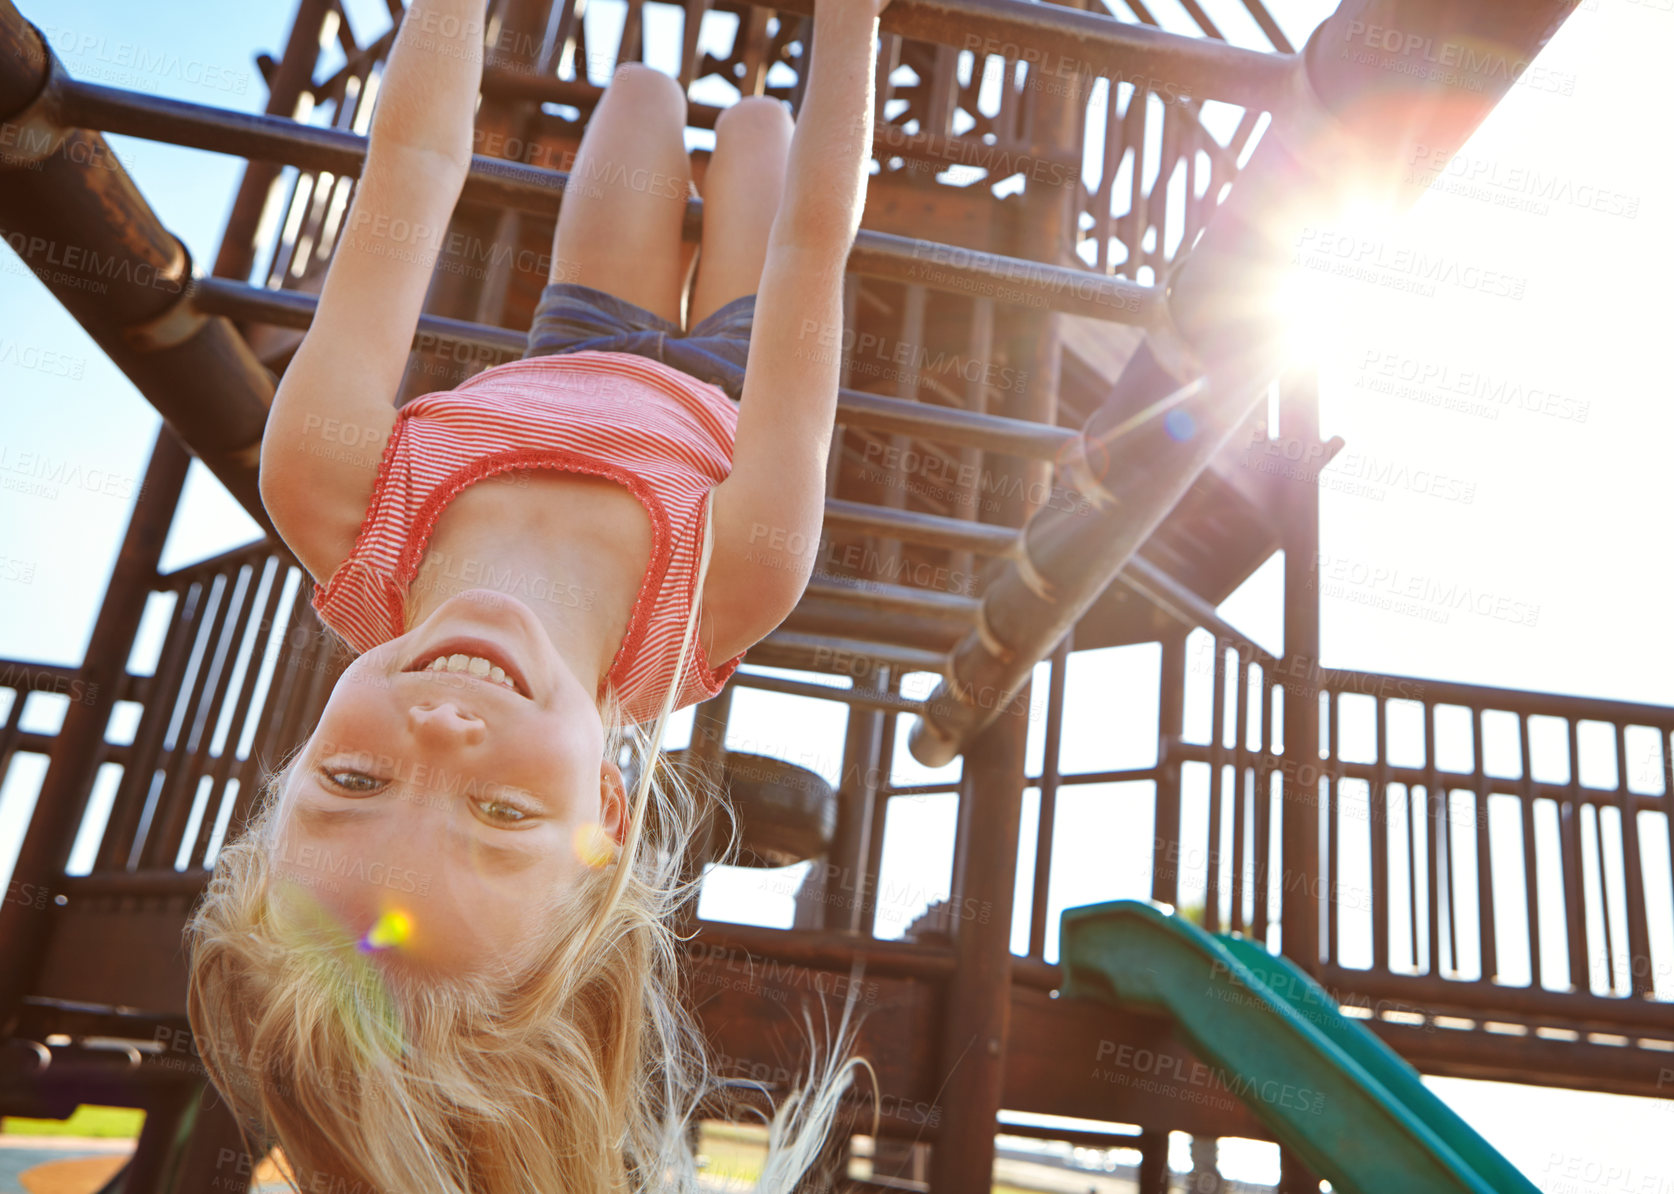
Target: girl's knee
(755,115)
(647,85)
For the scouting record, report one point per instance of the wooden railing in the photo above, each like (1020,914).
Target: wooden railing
(1481,848)
(240,670)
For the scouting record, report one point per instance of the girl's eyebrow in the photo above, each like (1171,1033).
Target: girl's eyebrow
(313,817)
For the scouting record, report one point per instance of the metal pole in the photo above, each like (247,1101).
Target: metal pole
(1070,289)
(295,309)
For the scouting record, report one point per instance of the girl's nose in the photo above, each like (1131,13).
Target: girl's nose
(446,722)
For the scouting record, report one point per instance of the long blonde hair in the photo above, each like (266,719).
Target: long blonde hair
(581,1076)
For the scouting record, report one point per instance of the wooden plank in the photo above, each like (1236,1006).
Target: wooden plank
(1104,347)
(1088,1061)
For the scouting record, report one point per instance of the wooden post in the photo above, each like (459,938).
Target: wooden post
(1299,909)
(294,75)
(857,791)
(1153,1161)
(76,753)
(977,1023)
(978,1001)
(1165,845)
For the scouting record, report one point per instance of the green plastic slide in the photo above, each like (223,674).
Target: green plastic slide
(1330,1090)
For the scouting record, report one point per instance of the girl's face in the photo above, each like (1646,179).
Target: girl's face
(437,814)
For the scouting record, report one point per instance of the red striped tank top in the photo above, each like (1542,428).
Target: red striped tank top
(661,433)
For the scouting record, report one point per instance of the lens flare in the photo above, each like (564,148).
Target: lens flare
(593,845)
(392,930)
(1180,425)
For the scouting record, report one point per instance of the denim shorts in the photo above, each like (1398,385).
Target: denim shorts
(573,318)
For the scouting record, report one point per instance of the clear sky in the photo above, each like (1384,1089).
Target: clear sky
(1544,407)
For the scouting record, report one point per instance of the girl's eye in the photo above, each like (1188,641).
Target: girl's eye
(357,782)
(516,814)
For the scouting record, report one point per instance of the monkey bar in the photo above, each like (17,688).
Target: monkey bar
(1213,354)
(521,187)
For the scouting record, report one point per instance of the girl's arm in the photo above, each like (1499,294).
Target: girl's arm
(334,409)
(769,511)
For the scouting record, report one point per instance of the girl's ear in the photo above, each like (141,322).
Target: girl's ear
(613,801)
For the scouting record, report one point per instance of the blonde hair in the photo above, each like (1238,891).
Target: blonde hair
(582,1074)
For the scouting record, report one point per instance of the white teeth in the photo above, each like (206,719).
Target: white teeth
(473,665)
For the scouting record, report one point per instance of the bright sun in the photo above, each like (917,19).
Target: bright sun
(1323,298)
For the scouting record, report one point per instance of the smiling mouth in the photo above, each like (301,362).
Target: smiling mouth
(472,659)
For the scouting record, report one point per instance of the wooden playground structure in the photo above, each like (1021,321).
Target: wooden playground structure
(1054,436)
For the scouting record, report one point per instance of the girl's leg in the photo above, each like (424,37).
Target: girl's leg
(619,224)
(741,192)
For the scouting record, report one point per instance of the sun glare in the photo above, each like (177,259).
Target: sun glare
(1316,299)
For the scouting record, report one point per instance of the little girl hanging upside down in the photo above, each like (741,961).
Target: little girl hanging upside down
(438,958)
